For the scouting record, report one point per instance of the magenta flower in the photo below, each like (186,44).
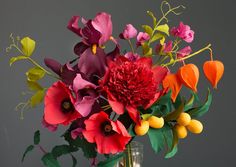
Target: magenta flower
(165,48)
(86,95)
(184,32)
(184,52)
(96,31)
(129,32)
(142,37)
(132,56)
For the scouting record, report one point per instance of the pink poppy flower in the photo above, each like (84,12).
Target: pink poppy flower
(59,105)
(184,32)
(129,32)
(142,37)
(184,52)
(110,136)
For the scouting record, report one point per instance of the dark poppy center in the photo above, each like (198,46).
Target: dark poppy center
(107,128)
(67,106)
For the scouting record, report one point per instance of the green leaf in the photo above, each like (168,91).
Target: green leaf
(36,137)
(14,59)
(175,114)
(131,130)
(200,111)
(49,160)
(148,29)
(165,104)
(147,51)
(35,74)
(173,149)
(156,36)
(28,149)
(156,110)
(146,116)
(110,162)
(177,102)
(163,28)
(189,103)
(89,149)
(154,20)
(60,150)
(157,137)
(37,98)
(34,86)
(74,161)
(28,46)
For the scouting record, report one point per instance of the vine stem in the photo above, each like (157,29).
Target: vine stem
(131,46)
(130,160)
(42,149)
(189,56)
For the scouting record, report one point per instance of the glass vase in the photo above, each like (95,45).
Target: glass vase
(133,156)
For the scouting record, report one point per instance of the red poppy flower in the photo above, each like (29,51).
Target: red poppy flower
(59,105)
(130,84)
(109,136)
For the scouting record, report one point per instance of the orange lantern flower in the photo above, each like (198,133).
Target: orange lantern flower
(189,75)
(172,82)
(213,71)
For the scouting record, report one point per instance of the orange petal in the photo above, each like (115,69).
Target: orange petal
(213,71)
(172,82)
(189,75)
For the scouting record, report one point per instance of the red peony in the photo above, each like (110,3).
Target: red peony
(59,105)
(130,84)
(109,136)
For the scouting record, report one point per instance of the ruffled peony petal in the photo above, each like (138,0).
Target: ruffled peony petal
(134,114)
(159,73)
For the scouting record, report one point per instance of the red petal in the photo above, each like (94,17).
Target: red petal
(134,114)
(159,73)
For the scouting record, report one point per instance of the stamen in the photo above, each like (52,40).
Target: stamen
(94,49)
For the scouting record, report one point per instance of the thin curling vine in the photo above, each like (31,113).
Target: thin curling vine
(33,75)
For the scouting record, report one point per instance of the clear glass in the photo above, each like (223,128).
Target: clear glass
(134,154)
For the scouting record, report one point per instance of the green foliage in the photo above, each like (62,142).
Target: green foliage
(163,28)
(175,114)
(173,149)
(201,110)
(34,86)
(36,137)
(148,29)
(37,98)
(14,59)
(28,46)
(89,149)
(74,161)
(156,37)
(35,74)
(49,160)
(27,150)
(31,147)
(164,104)
(160,137)
(60,150)
(147,51)
(111,161)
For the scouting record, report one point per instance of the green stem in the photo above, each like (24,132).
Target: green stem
(189,56)
(129,158)
(39,66)
(131,46)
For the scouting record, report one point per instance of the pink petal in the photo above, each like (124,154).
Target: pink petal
(102,23)
(84,107)
(129,32)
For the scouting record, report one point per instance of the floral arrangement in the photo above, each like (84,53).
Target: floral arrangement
(106,99)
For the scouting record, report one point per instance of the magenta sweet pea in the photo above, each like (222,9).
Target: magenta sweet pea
(184,32)
(129,32)
(142,37)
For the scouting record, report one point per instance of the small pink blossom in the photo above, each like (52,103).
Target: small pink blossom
(129,32)
(76,132)
(184,52)
(142,37)
(132,56)
(165,48)
(184,32)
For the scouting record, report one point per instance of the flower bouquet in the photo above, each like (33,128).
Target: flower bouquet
(107,99)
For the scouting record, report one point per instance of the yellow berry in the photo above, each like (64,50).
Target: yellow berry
(184,119)
(195,126)
(181,131)
(156,122)
(142,129)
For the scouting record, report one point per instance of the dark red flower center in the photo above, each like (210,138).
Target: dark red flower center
(132,83)
(107,128)
(67,106)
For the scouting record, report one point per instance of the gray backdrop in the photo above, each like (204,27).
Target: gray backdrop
(46,20)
